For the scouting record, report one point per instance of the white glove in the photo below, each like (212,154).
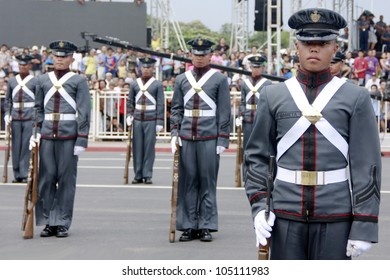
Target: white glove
(77,150)
(238,121)
(220,150)
(34,141)
(129,120)
(173,143)
(158,128)
(357,247)
(7,119)
(263,228)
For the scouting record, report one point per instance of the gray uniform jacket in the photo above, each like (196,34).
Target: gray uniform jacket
(22,101)
(247,113)
(135,109)
(205,127)
(60,105)
(350,112)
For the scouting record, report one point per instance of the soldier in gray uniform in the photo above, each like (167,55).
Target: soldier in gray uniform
(63,107)
(200,117)
(250,92)
(319,127)
(145,106)
(337,64)
(20,100)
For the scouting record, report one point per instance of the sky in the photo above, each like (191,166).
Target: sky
(214,13)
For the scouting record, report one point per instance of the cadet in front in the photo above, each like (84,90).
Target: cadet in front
(320,128)
(63,109)
(200,117)
(20,100)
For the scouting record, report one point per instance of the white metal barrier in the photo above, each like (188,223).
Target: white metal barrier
(109,113)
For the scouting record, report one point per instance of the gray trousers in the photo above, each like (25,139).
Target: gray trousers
(21,133)
(57,182)
(144,153)
(247,130)
(197,193)
(292,240)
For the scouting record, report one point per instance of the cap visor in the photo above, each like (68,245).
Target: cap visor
(200,52)
(63,54)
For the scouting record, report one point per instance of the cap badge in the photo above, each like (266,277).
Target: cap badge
(61,44)
(146,59)
(315,16)
(200,42)
(23,56)
(257,58)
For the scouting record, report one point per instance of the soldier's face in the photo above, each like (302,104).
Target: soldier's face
(24,68)
(256,71)
(147,71)
(62,62)
(315,56)
(200,61)
(335,67)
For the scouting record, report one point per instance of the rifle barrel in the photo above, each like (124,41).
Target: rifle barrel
(117,43)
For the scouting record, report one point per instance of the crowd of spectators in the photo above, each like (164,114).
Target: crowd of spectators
(372,35)
(108,69)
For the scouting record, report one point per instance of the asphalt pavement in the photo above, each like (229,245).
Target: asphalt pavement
(113,221)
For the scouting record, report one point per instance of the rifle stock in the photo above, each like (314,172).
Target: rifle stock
(31,196)
(7,152)
(263,252)
(128,156)
(175,185)
(239,158)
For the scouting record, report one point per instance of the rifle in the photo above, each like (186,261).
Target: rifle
(31,196)
(238,157)
(126,45)
(7,149)
(175,185)
(263,252)
(128,156)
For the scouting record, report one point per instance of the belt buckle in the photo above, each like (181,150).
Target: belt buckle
(308,178)
(55,117)
(21,105)
(253,106)
(196,113)
(143,107)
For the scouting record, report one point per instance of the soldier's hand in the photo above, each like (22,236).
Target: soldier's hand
(7,119)
(34,141)
(220,150)
(158,128)
(173,143)
(357,247)
(238,121)
(263,227)
(129,120)
(77,150)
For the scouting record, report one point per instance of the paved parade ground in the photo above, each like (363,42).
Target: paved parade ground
(113,221)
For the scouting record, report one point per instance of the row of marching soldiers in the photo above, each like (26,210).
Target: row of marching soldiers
(316,126)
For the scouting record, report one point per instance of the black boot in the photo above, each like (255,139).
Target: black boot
(49,231)
(62,231)
(205,235)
